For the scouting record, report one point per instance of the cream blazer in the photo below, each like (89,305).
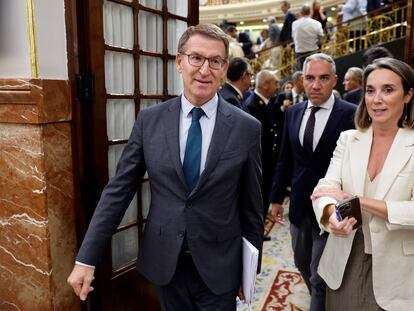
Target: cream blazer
(392,241)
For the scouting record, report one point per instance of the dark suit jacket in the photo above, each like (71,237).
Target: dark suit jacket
(271,118)
(286,32)
(225,205)
(282,96)
(354,96)
(229,94)
(296,168)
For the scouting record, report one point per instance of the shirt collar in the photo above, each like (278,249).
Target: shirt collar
(209,107)
(235,87)
(326,105)
(264,99)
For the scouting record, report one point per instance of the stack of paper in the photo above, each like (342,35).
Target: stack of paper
(250,261)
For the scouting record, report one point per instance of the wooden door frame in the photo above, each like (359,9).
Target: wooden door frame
(90,176)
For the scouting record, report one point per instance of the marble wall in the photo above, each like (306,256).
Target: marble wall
(37,219)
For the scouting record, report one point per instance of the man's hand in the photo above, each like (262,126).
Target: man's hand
(241,293)
(277,213)
(80,279)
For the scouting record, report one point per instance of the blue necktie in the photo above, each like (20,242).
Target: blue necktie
(192,156)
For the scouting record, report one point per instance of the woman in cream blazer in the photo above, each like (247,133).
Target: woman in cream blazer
(376,163)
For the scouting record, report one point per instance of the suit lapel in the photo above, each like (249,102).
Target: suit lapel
(297,121)
(222,129)
(359,150)
(400,152)
(171,122)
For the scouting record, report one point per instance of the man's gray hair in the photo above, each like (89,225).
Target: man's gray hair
(320,56)
(356,74)
(262,77)
(296,75)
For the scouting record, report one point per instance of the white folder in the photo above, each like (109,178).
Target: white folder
(250,261)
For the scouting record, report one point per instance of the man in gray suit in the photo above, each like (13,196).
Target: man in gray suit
(205,187)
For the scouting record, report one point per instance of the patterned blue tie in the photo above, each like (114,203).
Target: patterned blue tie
(192,156)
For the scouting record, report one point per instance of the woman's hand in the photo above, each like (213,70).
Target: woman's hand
(342,228)
(329,191)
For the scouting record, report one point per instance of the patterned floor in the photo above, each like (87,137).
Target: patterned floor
(279,286)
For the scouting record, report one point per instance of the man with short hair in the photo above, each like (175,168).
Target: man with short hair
(258,104)
(307,34)
(205,187)
(286,32)
(235,47)
(352,85)
(238,82)
(310,132)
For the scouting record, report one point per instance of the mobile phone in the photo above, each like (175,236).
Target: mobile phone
(349,208)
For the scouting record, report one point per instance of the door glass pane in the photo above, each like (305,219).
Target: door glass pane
(146,103)
(150,32)
(175,29)
(120,118)
(175,82)
(178,7)
(119,73)
(114,153)
(146,199)
(150,75)
(155,4)
(118,25)
(124,247)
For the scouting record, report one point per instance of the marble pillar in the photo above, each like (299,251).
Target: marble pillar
(37,216)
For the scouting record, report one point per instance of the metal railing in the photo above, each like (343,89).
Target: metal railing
(377,27)
(220,2)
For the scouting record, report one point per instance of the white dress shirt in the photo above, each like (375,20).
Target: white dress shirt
(207,122)
(306,34)
(321,118)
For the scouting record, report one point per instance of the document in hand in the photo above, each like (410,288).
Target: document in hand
(250,261)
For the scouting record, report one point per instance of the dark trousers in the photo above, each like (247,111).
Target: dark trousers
(307,247)
(188,292)
(300,59)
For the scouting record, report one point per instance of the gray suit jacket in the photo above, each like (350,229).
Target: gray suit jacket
(225,205)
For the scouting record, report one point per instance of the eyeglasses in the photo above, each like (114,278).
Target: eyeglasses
(198,61)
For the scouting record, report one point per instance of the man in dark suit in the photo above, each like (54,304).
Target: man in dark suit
(259,105)
(295,96)
(310,132)
(205,187)
(286,32)
(238,82)
(353,85)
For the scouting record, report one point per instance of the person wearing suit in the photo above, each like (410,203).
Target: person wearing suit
(310,132)
(353,85)
(259,105)
(205,187)
(286,31)
(372,268)
(238,82)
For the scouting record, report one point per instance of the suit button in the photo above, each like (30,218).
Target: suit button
(189,205)
(181,234)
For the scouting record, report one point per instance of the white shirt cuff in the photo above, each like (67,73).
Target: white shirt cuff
(84,264)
